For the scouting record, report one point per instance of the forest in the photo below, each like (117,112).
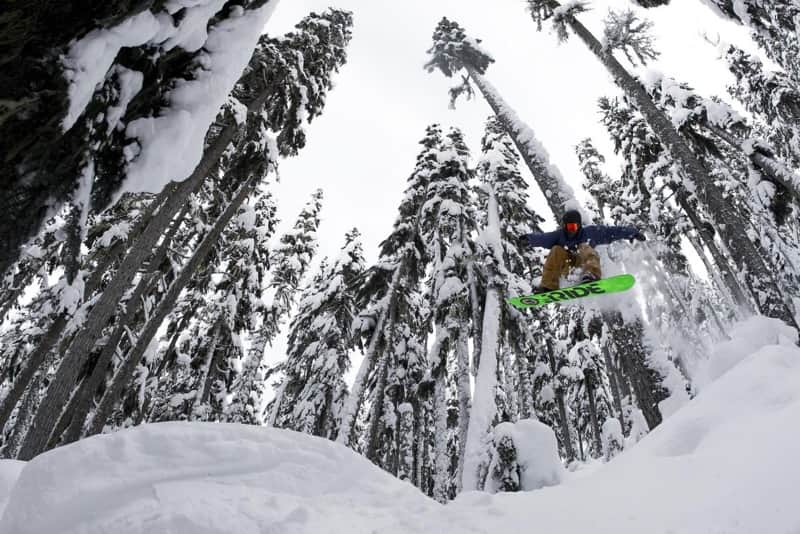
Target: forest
(140,287)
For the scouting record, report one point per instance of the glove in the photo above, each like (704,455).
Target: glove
(638,237)
(522,241)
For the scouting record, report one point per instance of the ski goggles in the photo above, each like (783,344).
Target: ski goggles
(572,227)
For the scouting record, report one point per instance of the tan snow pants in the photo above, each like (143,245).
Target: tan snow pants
(561,261)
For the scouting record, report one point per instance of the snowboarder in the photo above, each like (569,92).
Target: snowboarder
(571,246)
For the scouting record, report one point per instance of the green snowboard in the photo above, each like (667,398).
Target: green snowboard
(615,284)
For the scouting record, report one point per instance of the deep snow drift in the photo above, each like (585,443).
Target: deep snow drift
(726,462)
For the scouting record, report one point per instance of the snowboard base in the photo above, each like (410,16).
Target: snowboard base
(614,284)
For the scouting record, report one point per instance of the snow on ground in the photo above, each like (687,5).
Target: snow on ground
(725,463)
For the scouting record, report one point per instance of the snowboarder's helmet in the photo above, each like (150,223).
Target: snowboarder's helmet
(571,221)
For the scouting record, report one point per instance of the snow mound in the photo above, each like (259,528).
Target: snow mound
(9,473)
(537,453)
(725,463)
(747,337)
(209,478)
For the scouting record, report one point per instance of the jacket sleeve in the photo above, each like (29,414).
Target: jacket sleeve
(543,240)
(605,235)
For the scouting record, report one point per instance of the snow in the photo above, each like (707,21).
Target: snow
(201,477)
(89,58)
(725,462)
(193,106)
(9,473)
(130,83)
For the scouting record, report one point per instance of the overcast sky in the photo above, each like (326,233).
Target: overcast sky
(363,147)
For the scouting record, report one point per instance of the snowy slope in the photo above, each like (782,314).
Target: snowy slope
(725,463)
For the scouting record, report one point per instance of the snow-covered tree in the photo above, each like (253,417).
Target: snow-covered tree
(613,440)
(773,98)
(774,24)
(503,269)
(320,341)
(705,123)
(388,302)
(452,52)
(448,221)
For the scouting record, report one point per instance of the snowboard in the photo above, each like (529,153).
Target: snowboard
(614,284)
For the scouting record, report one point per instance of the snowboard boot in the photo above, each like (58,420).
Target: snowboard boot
(589,277)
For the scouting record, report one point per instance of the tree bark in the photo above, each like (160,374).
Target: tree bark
(724,268)
(615,387)
(562,409)
(527,146)
(212,361)
(590,390)
(441,459)
(464,402)
(377,412)
(81,403)
(645,382)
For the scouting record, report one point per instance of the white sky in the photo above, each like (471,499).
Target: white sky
(363,147)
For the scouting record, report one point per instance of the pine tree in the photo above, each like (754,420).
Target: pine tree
(773,98)
(448,221)
(390,286)
(503,270)
(319,343)
(704,121)
(453,51)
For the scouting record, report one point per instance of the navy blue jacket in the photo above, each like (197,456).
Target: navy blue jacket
(593,235)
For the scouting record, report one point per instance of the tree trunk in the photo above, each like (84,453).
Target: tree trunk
(525,394)
(405,446)
(484,408)
(24,417)
(212,361)
(562,408)
(464,401)
(615,387)
(510,387)
(355,398)
(724,268)
(378,411)
(633,356)
(758,276)
(590,389)
(441,461)
(82,401)
(555,190)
